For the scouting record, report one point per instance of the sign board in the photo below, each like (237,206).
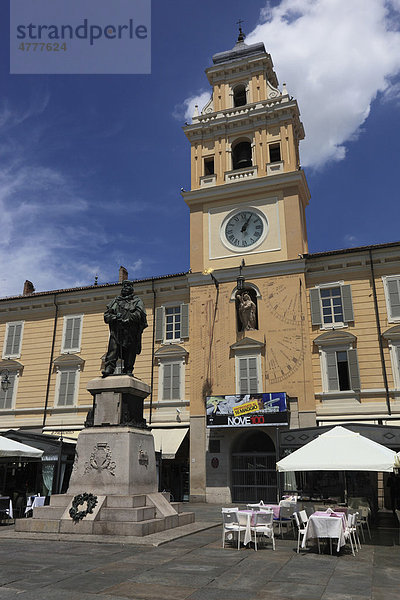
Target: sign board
(247,410)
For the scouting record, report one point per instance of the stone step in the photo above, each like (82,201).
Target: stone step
(60,500)
(128,514)
(49,512)
(178,506)
(137,501)
(185,518)
(37,525)
(140,529)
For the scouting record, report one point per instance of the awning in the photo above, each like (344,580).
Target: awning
(167,441)
(10,448)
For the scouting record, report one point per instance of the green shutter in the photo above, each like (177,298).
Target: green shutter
(6,397)
(331,365)
(184,320)
(13,343)
(159,324)
(176,381)
(315,303)
(72,334)
(347,303)
(394,297)
(167,377)
(354,370)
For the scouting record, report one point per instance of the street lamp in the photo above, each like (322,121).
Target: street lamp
(5,380)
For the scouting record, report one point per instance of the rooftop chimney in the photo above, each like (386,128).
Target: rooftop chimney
(123,274)
(28,288)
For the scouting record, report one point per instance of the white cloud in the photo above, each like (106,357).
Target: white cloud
(185,111)
(335,57)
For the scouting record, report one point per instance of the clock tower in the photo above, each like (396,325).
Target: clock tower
(248,192)
(247,217)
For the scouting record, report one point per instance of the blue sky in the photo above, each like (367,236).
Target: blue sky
(91,166)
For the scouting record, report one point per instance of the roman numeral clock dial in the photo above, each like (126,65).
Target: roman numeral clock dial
(244,228)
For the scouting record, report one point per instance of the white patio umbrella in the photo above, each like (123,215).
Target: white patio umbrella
(339,449)
(10,448)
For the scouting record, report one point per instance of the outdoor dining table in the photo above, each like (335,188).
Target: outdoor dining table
(247,518)
(329,525)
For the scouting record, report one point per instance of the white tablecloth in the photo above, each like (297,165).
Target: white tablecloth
(321,526)
(244,517)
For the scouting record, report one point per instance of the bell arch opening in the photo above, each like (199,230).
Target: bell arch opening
(241,155)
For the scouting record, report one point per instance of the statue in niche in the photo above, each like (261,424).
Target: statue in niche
(126,318)
(246,310)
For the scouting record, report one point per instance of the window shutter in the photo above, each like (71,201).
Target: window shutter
(72,333)
(159,324)
(184,320)
(347,303)
(13,344)
(66,392)
(248,377)
(354,370)
(176,381)
(394,297)
(167,382)
(316,317)
(331,365)
(6,397)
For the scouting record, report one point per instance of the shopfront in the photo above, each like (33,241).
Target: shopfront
(243,445)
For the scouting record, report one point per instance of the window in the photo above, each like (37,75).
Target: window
(248,375)
(7,397)
(209,166)
(67,387)
(72,333)
(274,153)
(172,323)
(392,336)
(331,306)
(171,386)
(339,362)
(239,95)
(13,340)
(392,294)
(241,155)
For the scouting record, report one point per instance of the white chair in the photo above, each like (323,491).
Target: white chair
(231,525)
(363,516)
(301,528)
(263,526)
(350,532)
(303,517)
(284,519)
(230,509)
(259,506)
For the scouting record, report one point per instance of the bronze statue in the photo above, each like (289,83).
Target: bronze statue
(247,311)
(126,317)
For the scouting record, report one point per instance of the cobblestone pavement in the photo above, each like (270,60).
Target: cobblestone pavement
(197,567)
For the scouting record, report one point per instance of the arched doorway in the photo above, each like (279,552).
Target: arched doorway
(253,474)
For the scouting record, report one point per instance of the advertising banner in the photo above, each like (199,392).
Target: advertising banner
(247,410)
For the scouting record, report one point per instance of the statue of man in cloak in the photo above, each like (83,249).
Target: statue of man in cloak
(126,317)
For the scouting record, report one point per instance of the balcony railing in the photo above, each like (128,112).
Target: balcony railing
(240,174)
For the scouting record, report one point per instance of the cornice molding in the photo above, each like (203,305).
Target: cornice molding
(265,184)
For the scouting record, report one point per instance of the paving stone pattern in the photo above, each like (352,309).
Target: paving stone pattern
(198,568)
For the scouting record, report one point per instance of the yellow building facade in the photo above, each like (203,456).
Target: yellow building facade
(324,333)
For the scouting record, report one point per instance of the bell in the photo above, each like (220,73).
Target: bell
(242,155)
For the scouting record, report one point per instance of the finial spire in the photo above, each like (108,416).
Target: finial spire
(241,34)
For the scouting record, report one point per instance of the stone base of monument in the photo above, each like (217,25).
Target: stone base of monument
(113,486)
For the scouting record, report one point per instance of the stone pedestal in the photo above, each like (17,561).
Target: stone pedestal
(115,462)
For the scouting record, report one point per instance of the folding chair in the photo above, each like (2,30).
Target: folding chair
(301,528)
(363,516)
(263,526)
(284,519)
(231,525)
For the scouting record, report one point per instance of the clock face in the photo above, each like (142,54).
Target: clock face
(244,229)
